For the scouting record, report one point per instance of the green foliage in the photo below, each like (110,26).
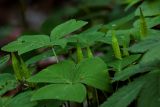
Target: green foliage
(20,100)
(149,96)
(68,74)
(68,92)
(27,43)
(7,82)
(126,51)
(66,28)
(125,95)
(4,60)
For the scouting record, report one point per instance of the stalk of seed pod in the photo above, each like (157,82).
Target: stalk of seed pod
(16,67)
(143,26)
(89,52)
(115,46)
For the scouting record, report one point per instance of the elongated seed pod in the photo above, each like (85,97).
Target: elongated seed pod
(24,69)
(115,46)
(143,26)
(89,52)
(79,54)
(16,67)
(125,46)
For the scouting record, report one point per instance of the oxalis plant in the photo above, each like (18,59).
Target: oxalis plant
(125,74)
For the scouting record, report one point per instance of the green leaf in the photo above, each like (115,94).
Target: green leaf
(152,56)
(146,44)
(4,60)
(120,64)
(27,43)
(119,22)
(39,57)
(149,8)
(21,100)
(149,96)
(151,22)
(120,34)
(125,95)
(7,82)
(130,71)
(58,73)
(86,39)
(93,72)
(131,3)
(66,28)
(68,92)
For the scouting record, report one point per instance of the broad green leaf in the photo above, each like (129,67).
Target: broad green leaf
(94,28)
(135,33)
(27,43)
(149,8)
(7,82)
(151,22)
(68,92)
(86,39)
(66,28)
(130,71)
(39,57)
(93,72)
(152,56)
(146,44)
(21,100)
(149,96)
(131,3)
(125,95)
(62,72)
(120,64)
(4,60)
(59,42)
(120,34)
(119,22)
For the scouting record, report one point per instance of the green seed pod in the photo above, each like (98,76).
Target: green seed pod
(24,69)
(16,67)
(125,46)
(143,25)
(89,52)
(115,46)
(79,54)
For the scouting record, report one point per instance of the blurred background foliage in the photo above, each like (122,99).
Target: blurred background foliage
(19,17)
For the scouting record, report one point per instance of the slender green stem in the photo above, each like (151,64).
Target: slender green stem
(54,52)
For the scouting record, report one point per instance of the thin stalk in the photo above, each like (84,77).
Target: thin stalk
(54,52)
(97,99)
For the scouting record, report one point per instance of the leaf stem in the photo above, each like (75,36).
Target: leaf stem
(54,52)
